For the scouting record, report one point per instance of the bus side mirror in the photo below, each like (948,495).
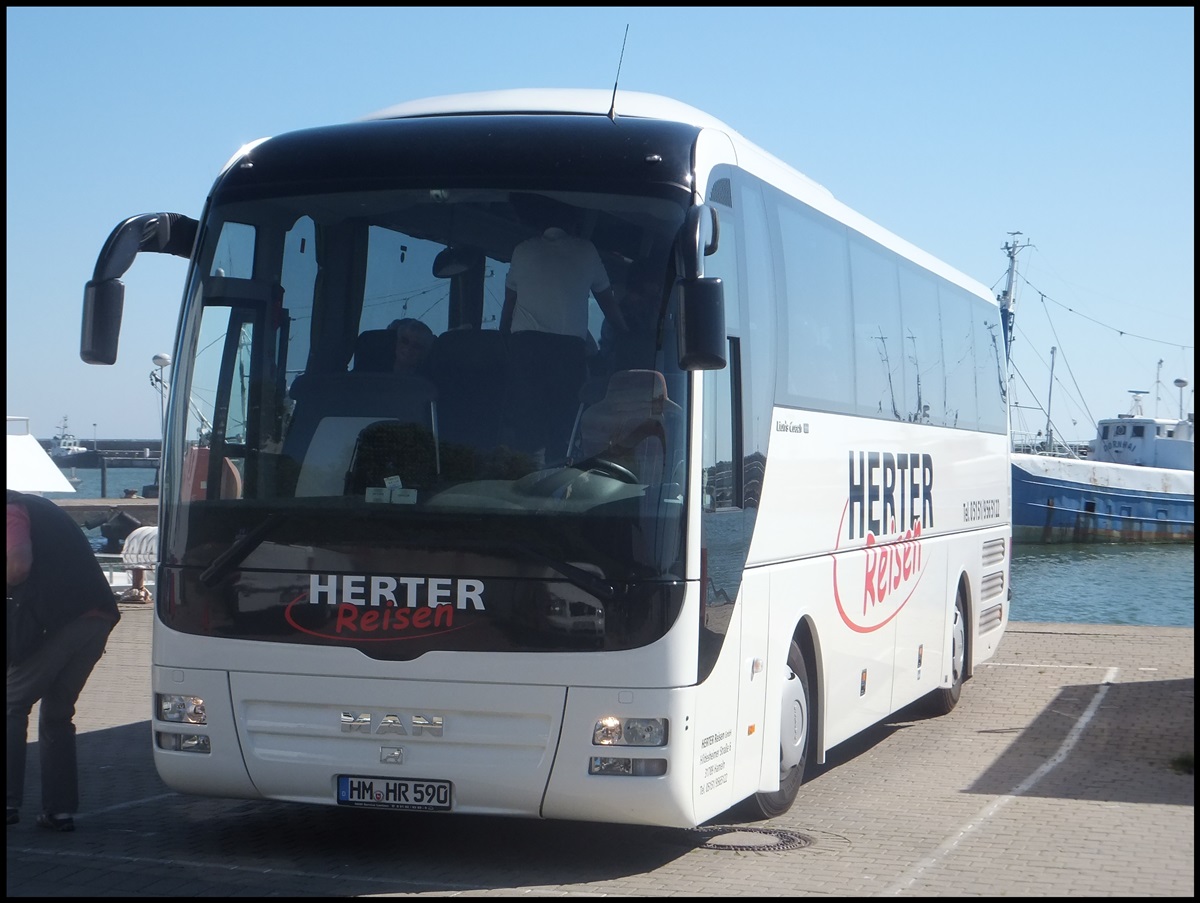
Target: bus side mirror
(103,302)
(104,294)
(702,324)
(698,238)
(701,298)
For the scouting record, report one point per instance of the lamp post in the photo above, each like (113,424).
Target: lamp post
(162,361)
(95,442)
(1180,383)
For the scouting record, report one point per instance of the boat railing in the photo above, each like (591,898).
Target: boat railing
(1035,444)
(129,583)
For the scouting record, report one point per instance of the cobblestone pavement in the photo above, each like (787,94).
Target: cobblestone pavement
(1052,777)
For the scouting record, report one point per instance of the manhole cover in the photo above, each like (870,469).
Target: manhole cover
(767,840)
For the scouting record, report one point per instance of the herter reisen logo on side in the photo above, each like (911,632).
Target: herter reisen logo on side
(889,502)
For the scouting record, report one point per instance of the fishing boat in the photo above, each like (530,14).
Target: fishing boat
(1134,482)
(66,450)
(64,444)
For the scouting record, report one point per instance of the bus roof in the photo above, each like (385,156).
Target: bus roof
(593,101)
(598,102)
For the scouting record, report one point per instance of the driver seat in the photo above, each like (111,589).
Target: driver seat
(634,424)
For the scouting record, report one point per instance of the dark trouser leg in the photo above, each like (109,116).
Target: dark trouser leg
(521,399)
(17,731)
(546,373)
(564,398)
(55,674)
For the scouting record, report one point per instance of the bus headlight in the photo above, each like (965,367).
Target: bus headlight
(180,709)
(198,743)
(612,765)
(613,731)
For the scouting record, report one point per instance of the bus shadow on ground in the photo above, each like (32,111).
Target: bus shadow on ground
(1127,752)
(128,812)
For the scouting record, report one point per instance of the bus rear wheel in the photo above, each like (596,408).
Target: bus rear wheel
(795,733)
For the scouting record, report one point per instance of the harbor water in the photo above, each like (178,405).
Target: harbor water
(1137,585)
(118,479)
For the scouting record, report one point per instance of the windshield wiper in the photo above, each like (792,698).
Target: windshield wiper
(575,575)
(236,553)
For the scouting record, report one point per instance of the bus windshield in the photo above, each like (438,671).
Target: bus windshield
(367,423)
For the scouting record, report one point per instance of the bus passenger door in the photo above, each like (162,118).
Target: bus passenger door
(738,402)
(735,601)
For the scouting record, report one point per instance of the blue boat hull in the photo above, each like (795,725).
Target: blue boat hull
(1057,500)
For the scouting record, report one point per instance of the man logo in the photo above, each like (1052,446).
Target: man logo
(406,725)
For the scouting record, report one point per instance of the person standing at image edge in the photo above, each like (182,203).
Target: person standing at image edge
(61,611)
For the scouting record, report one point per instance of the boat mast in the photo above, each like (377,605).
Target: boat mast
(1007,298)
(1157,385)
(1049,393)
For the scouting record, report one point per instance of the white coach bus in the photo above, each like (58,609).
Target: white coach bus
(773,515)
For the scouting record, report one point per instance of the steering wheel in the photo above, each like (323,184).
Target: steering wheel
(571,474)
(596,464)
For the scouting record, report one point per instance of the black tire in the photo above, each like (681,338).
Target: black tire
(795,740)
(943,700)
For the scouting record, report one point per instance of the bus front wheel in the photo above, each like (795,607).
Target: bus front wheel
(795,732)
(942,701)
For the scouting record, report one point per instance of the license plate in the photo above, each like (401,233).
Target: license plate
(393,793)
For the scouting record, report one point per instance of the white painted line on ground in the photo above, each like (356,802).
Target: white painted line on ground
(1044,665)
(951,843)
(129,804)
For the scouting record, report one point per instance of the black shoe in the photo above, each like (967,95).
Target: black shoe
(56,822)
(14,815)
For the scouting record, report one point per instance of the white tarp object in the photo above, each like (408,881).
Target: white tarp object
(30,468)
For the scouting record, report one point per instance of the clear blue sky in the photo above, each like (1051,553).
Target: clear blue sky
(950,127)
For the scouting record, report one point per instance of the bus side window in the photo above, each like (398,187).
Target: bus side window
(195,476)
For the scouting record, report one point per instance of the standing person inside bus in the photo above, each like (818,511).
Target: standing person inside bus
(545,317)
(60,613)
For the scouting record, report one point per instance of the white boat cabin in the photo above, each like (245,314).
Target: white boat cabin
(1146,441)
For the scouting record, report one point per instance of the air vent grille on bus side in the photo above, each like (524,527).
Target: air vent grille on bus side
(994,551)
(991,585)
